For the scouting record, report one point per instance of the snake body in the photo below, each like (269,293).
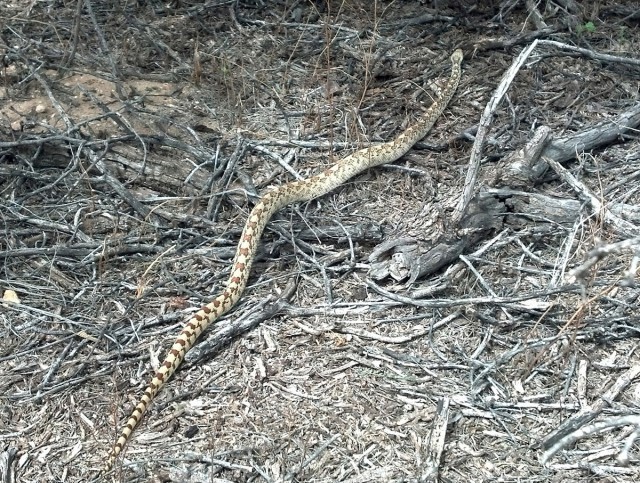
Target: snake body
(270,203)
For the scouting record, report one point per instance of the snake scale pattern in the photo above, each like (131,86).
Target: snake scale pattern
(271,202)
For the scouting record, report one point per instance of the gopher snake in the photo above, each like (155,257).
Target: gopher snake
(271,202)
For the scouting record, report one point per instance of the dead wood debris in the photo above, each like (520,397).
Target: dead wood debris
(468,315)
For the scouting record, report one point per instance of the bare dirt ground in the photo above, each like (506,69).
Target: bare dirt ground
(468,313)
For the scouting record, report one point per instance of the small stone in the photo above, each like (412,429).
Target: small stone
(40,108)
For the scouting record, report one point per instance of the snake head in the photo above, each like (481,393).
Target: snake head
(457,56)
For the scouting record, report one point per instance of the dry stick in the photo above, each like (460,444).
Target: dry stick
(535,15)
(293,472)
(483,283)
(387,339)
(280,160)
(73,231)
(71,167)
(483,129)
(599,210)
(504,44)
(118,187)
(105,49)
(623,456)
(557,149)
(435,448)
(563,148)
(320,145)
(528,165)
(573,430)
(172,53)
(420,19)
(191,456)
(54,102)
(7,469)
(520,162)
(214,204)
(599,134)
(598,253)
(67,384)
(53,368)
(76,33)
(591,53)
(124,125)
(509,302)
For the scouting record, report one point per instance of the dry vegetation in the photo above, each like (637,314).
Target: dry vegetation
(134,138)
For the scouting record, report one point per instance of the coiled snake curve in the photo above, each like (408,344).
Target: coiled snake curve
(271,202)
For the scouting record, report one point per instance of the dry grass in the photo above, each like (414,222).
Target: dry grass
(116,230)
